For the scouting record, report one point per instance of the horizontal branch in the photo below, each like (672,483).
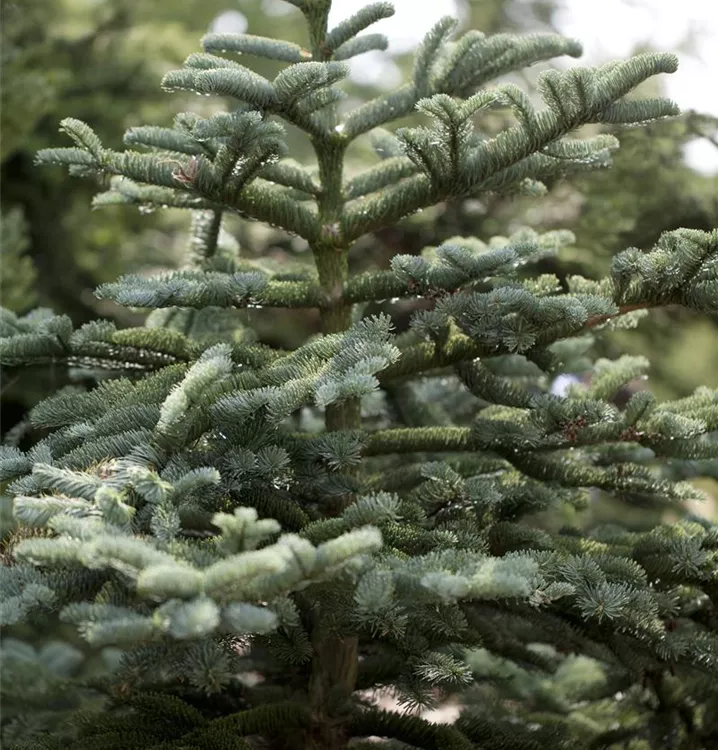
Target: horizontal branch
(412,730)
(375,178)
(522,144)
(598,320)
(292,294)
(419,440)
(427,355)
(385,108)
(389,206)
(376,285)
(198,290)
(261,201)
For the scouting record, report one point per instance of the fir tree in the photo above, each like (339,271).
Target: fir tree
(255,540)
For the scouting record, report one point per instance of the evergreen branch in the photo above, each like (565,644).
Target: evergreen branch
(492,388)
(102,346)
(164,139)
(291,174)
(483,59)
(83,135)
(409,729)
(304,88)
(419,440)
(248,44)
(292,294)
(515,177)
(136,291)
(387,172)
(634,112)
(613,479)
(260,202)
(379,111)
(361,44)
(195,289)
(458,262)
(433,44)
(231,79)
(255,356)
(206,226)
(409,475)
(427,356)
(473,61)
(515,147)
(680,269)
(124,192)
(382,209)
(486,732)
(598,320)
(376,285)
(356,23)
(270,721)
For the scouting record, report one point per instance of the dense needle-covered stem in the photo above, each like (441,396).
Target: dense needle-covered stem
(335,656)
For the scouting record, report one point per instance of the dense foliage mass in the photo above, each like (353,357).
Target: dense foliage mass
(252,542)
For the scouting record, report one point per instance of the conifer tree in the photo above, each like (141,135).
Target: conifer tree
(257,541)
